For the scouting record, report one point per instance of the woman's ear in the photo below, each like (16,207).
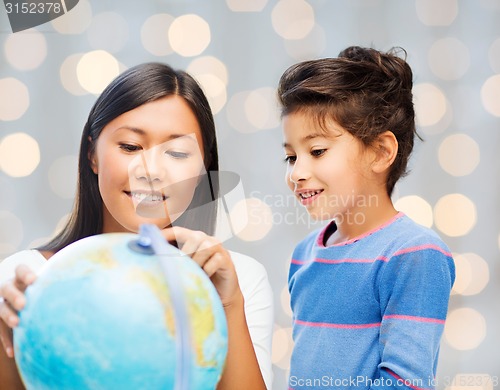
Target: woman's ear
(91,156)
(386,150)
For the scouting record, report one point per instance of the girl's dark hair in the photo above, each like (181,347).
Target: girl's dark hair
(365,91)
(136,86)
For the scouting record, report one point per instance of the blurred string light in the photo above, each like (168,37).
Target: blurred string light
(259,218)
(212,75)
(465,329)
(154,34)
(69,76)
(472,274)
(96,69)
(209,65)
(14,99)
(292,19)
(252,111)
(189,35)
(455,215)
(246,5)
(215,90)
(449,58)
(430,104)
(459,154)
(236,115)
(19,155)
(108,31)
(416,208)
(261,108)
(76,21)
(282,347)
(490,95)
(436,13)
(25,50)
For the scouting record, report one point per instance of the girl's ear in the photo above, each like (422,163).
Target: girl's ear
(386,149)
(91,156)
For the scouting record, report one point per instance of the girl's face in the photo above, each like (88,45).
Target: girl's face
(329,174)
(148,162)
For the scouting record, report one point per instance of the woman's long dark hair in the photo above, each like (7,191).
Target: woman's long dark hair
(139,85)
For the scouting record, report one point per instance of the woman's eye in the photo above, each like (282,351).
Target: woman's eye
(179,155)
(130,148)
(318,152)
(290,159)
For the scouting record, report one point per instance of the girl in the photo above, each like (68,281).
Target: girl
(369,292)
(145,149)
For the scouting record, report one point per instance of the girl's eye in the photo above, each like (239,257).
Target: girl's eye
(290,159)
(318,152)
(129,148)
(179,155)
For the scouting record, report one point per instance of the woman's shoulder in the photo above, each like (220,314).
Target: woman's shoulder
(251,274)
(246,265)
(31,257)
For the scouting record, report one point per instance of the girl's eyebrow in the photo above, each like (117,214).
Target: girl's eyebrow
(306,138)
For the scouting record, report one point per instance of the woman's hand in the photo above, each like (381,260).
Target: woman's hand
(12,300)
(242,368)
(211,256)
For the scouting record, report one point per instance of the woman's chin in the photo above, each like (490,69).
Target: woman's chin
(149,211)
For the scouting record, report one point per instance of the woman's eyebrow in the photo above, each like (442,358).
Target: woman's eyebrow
(142,132)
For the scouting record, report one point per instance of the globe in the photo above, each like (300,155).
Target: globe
(101,315)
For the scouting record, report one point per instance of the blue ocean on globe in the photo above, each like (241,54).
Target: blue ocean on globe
(100,316)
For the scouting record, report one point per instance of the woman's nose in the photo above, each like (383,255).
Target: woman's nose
(150,166)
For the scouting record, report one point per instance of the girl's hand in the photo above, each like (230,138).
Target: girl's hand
(211,256)
(11,301)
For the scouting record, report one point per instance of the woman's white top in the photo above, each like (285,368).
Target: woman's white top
(254,285)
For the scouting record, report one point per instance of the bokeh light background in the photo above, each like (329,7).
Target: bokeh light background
(237,49)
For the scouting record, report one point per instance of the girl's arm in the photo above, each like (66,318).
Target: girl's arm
(242,369)
(414,293)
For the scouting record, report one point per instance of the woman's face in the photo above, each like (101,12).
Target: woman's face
(148,162)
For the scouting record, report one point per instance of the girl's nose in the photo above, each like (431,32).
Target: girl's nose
(299,171)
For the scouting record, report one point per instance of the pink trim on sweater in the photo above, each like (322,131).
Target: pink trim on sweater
(413,318)
(321,236)
(421,248)
(336,326)
(392,373)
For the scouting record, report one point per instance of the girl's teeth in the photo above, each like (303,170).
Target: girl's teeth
(309,194)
